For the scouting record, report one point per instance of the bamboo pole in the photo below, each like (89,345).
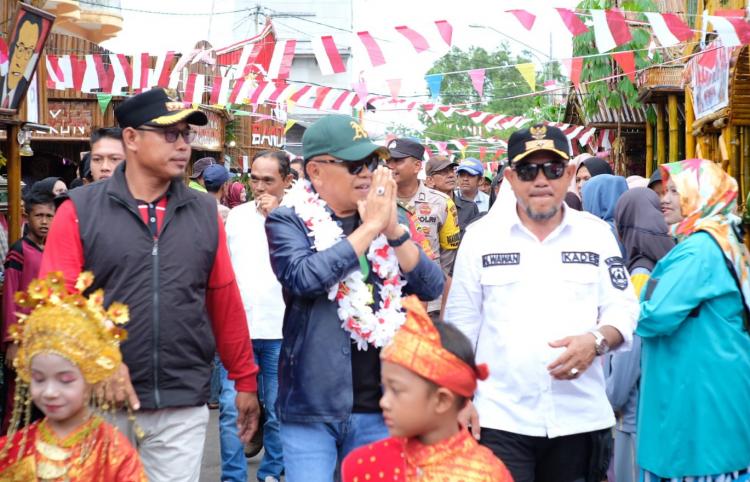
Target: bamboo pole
(661,155)
(14,184)
(649,149)
(689,119)
(674,129)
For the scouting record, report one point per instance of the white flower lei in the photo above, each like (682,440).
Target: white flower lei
(352,294)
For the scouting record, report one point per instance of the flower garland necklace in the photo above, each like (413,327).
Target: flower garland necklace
(352,294)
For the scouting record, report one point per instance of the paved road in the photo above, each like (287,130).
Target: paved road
(211,467)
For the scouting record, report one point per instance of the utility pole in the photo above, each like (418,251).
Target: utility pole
(211,20)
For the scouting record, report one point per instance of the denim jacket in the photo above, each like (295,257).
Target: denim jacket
(315,372)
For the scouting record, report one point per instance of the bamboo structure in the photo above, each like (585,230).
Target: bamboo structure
(661,148)
(674,129)
(14,184)
(689,119)
(649,149)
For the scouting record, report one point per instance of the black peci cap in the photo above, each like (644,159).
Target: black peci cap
(155,108)
(537,138)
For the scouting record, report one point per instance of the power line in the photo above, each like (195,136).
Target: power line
(155,12)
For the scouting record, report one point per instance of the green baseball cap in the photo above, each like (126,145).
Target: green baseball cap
(341,137)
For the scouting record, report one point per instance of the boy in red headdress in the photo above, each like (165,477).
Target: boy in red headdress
(428,374)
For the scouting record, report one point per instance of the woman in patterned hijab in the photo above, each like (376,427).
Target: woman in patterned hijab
(692,419)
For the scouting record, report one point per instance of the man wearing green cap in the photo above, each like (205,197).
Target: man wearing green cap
(320,248)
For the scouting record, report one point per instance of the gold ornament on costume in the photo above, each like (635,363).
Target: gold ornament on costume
(69,325)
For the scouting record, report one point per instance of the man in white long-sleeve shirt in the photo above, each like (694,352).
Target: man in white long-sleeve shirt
(270,175)
(553,295)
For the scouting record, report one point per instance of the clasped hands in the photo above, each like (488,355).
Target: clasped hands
(379,210)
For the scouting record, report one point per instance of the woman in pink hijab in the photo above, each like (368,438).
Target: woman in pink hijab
(236,194)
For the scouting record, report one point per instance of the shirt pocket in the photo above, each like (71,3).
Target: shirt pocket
(580,298)
(501,288)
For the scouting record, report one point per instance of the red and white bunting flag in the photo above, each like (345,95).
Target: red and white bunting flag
(262,93)
(189,87)
(281,60)
(59,72)
(141,72)
(572,22)
(462,144)
(419,43)
(340,101)
(732,31)
(477,80)
(123,74)
(78,64)
(574,67)
(160,73)
(526,18)
(303,91)
(374,53)
(395,87)
(626,61)
(668,28)
(573,132)
(482,152)
(225,90)
(610,29)
(90,77)
(248,57)
(320,96)
(446,31)
(281,93)
(216,84)
(200,88)
(327,55)
(235,93)
(3,57)
(442,147)
(586,135)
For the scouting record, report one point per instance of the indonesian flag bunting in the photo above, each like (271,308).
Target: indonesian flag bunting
(626,61)
(199,88)
(462,144)
(707,58)
(248,57)
(90,77)
(216,85)
(78,64)
(281,93)
(341,101)
(163,69)
(446,31)
(526,18)
(304,90)
(281,61)
(3,57)
(122,73)
(498,153)
(482,152)
(141,72)
(610,29)
(477,80)
(417,40)
(395,87)
(528,72)
(327,55)
(586,135)
(574,67)
(732,31)
(261,92)
(59,72)
(320,96)
(668,28)
(374,53)
(572,22)
(190,88)
(442,147)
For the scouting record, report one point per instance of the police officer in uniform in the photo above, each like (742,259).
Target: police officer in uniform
(542,292)
(433,212)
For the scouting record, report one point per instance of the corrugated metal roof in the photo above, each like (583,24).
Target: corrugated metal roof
(604,116)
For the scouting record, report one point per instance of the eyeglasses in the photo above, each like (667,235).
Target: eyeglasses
(355,167)
(528,172)
(172,133)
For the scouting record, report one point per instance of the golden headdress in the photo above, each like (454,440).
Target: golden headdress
(69,325)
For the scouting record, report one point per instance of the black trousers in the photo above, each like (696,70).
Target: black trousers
(541,459)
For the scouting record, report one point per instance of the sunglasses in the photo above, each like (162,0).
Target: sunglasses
(355,167)
(172,133)
(552,170)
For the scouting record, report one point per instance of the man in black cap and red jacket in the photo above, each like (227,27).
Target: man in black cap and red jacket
(160,247)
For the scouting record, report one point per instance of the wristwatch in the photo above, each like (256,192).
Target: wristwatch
(395,243)
(602,346)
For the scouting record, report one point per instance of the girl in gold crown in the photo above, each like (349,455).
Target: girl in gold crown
(66,345)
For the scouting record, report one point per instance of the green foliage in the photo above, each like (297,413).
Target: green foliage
(501,88)
(599,67)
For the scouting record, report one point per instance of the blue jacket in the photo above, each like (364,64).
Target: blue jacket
(695,381)
(315,370)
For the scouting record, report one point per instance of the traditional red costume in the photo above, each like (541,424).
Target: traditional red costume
(459,458)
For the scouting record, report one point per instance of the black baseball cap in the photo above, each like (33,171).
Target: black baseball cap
(401,148)
(537,138)
(156,108)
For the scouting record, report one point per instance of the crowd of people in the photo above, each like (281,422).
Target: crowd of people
(375,315)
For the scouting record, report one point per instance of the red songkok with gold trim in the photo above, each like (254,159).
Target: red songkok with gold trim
(417,347)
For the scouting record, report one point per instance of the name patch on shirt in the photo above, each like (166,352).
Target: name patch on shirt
(617,273)
(580,257)
(501,259)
